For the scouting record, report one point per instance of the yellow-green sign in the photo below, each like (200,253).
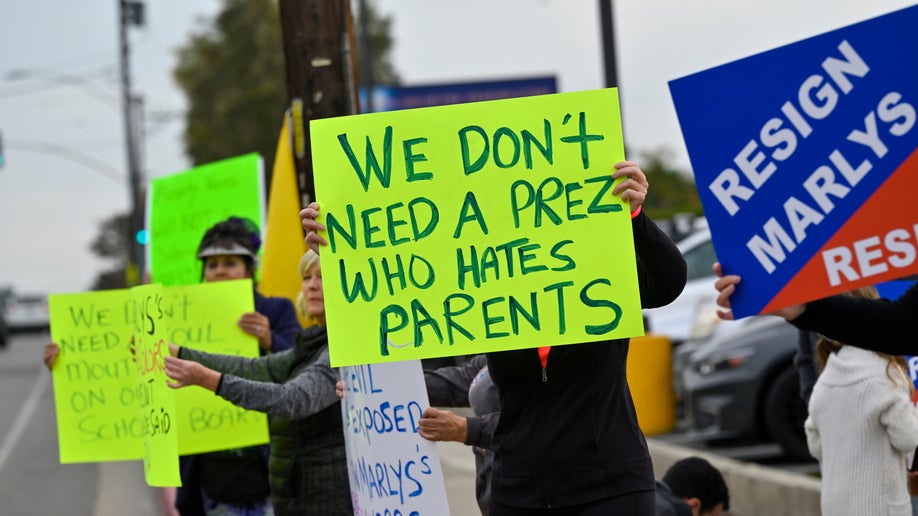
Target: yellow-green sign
(95,379)
(157,403)
(204,318)
(184,205)
(475,227)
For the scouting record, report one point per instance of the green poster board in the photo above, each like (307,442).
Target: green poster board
(154,397)
(184,205)
(476,227)
(95,380)
(204,317)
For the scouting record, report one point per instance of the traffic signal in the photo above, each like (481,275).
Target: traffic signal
(142,237)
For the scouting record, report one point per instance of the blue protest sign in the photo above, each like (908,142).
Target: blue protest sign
(805,160)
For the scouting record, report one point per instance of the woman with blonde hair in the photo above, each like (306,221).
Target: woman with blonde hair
(861,426)
(296,388)
(311,292)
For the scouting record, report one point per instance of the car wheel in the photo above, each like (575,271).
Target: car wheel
(785,413)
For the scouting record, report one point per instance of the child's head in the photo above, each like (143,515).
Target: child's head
(700,484)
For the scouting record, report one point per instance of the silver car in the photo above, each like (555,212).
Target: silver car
(27,312)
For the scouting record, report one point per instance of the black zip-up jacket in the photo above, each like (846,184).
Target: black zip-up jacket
(573,438)
(883,325)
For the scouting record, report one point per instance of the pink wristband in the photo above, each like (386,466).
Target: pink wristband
(636,212)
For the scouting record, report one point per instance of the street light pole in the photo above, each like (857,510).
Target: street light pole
(366,59)
(607,26)
(128,13)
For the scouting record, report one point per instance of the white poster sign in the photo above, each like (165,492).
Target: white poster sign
(393,471)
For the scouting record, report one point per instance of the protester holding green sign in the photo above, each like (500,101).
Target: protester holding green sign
(229,251)
(232,478)
(568,440)
(568,435)
(95,331)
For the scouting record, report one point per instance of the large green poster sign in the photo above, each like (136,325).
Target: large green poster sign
(475,227)
(184,205)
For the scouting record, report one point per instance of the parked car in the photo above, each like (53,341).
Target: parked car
(27,312)
(740,383)
(676,319)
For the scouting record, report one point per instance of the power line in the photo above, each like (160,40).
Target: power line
(75,156)
(52,80)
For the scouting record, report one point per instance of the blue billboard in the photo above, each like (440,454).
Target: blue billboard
(391,98)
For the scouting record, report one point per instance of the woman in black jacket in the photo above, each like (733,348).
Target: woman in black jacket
(568,440)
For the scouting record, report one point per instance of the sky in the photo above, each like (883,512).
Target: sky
(63,131)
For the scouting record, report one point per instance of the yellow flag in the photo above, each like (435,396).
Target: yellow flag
(284,238)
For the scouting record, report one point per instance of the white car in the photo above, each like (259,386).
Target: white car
(27,312)
(676,320)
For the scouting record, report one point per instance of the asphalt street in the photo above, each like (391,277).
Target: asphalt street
(34,483)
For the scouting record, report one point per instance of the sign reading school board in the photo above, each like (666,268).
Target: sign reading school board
(185,205)
(95,378)
(805,159)
(475,227)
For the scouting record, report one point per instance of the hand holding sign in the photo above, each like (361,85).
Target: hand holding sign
(634,188)
(50,354)
(312,227)
(726,286)
(442,425)
(182,373)
(472,228)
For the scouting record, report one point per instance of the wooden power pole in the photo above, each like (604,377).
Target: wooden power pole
(318,40)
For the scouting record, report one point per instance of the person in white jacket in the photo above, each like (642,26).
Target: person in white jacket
(861,426)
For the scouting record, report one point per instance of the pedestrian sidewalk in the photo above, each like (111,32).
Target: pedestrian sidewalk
(123,490)
(755,490)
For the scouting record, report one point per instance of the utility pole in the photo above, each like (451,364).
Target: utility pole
(131,13)
(318,38)
(366,65)
(607,24)
(608,43)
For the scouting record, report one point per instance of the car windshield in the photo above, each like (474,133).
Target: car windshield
(699,259)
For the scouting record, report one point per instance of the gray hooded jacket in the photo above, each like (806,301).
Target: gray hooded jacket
(296,388)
